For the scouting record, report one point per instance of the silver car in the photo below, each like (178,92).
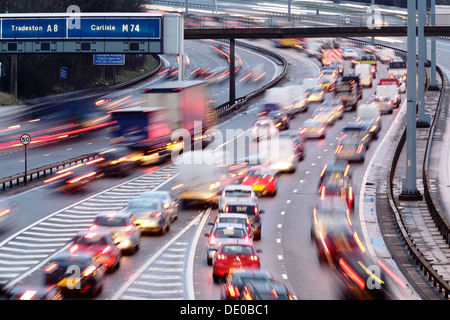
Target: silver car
(168,201)
(236,192)
(221,232)
(121,225)
(150,215)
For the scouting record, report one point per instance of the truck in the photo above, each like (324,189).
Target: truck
(347,90)
(364,71)
(147,123)
(398,70)
(389,88)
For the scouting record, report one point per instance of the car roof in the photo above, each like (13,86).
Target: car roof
(108,214)
(236,241)
(241,202)
(231,215)
(224,225)
(238,187)
(79,256)
(102,233)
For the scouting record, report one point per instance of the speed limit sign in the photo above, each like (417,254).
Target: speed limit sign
(25,139)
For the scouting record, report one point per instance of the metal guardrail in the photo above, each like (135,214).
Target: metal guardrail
(21,179)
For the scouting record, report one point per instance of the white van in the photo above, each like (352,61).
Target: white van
(364,71)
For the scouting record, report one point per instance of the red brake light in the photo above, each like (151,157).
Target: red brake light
(129,228)
(106,250)
(212,241)
(28,295)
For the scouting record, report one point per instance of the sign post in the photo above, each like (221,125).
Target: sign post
(25,139)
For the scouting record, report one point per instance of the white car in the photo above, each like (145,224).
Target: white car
(263,128)
(121,225)
(236,192)
(168,202)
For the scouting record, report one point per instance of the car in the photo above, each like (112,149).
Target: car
(325,115)
(150,215)
(361,278)
(115,161)
(336,105)
(121,224)
(298,140)
(339,186)
(260,290)
(349,53)
(75,178)
(236,280)
(384,104)
(313,128)
(239,218)
(100,244)
(280,119)
(342,167)
(169,202)
(262,180)
(221,232)
(217,75)
(35,292)
(315,94)
(253,212)
(370,127)
(72,273)
(236,192)
(8,214)
(263,128)
(332,230)
(328,83)
(234,253)
(352,147)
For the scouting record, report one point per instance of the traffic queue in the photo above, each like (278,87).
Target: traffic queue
(232,241)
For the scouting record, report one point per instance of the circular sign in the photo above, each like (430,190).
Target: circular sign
(25,139)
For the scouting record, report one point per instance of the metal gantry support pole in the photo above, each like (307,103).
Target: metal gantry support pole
(181,60)
(409,188)
(423,120)
(232,73)
(372,8)
(434,83)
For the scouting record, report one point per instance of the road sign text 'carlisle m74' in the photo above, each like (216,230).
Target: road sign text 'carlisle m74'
(88,32)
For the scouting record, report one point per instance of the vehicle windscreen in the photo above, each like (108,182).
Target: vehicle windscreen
(249,210)
(90,239)
(229,233)
(397,65)
(141,206)
(111,221)
(237,193)
(237,249)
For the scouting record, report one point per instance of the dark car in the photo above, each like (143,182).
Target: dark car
(74,178)
(236,280)
(22,292)
(115,161)
(253,212)
(342,167)
(260,290)
(75,273)
(280,119)
(298,139)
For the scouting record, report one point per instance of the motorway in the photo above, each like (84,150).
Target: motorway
(173,266)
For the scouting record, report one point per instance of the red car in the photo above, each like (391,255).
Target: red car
(232,254)
(263,180)
(101,245)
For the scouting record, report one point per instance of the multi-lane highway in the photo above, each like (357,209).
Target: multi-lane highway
(173,266)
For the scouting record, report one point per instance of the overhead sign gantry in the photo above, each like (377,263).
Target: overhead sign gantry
(90,32)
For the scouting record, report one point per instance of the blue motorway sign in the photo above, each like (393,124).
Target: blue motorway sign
(63,73)
(87,28)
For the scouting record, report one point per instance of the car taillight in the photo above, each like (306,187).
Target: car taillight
(212,241)
(233,291)
(321,130)
(350,193)
(73,248)
(106,250)
(129,228)
(28,295)
(359,150)
(254,257)
(256,211)
(51,267)
(93,227)
(323,171)
(87,175)
(89,270)
(303,131)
